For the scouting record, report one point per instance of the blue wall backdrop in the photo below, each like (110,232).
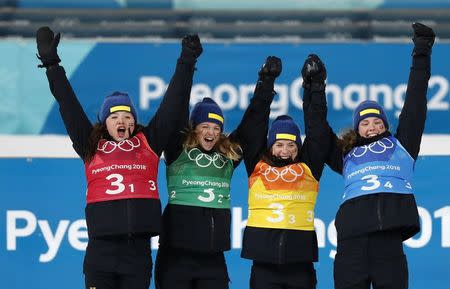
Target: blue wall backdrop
(226,72)
(42,222)
(42,207)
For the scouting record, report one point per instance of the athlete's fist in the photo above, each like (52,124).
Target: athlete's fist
(313,70)
(271,68)
(423,39)
(47,46)
(191,46)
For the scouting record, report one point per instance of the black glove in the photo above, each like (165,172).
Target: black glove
(423,39)
(191,48)
(314,72)
(271,69)
(47,44)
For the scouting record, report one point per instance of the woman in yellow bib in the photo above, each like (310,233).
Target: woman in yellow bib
(283,185)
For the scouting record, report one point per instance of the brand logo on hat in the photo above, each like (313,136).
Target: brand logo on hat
(120,108)
(215,116)
(369,110)
(287,136)
(117,101)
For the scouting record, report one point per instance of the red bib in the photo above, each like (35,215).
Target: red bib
(122,170)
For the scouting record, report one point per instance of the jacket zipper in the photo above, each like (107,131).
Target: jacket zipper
(280,248)
(380,224)
(129,233)
(212,231)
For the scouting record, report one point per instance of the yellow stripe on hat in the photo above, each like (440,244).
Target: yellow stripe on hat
(215,116)
(120,108)
(369,110)
(286,136)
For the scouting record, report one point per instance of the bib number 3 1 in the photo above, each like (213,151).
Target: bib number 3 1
(373,183)
(118,186)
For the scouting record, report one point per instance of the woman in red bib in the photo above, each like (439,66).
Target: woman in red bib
(121,164)
(284,178)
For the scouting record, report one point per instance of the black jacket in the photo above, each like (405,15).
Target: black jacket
(387,211)
(128,216)
(283,246)
(208,229)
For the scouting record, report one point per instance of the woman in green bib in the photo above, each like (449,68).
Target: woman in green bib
(200,163)
(284,178)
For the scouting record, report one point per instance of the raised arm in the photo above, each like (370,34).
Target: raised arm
(75,120)
(317,142)
(251,133)
(172,114)
(412,118)
(335,155)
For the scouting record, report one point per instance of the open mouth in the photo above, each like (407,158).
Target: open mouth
(121,131)
(208,139)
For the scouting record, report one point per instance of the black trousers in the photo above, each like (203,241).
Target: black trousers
(184,269)
(375,259)
(118,263)
(286,276)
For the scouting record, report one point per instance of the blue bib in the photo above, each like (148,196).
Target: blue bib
(382,166)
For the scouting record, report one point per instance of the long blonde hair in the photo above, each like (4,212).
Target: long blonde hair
(224,145)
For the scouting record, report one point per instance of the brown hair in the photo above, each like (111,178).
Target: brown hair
(224,145)
(99,132)
(347,140)
(266,156)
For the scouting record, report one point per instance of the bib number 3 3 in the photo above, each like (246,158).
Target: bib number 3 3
(279,215)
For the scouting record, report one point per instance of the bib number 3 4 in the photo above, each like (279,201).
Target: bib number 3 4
(372,183)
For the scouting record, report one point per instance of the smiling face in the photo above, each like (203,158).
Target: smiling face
(285,149)
(371,126)
(120,125)
(207,135)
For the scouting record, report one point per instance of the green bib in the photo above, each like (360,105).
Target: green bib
(199,179)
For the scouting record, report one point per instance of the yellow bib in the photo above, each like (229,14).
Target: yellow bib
(282,198)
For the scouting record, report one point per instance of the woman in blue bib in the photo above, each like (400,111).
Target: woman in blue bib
(200,162)
(378,210)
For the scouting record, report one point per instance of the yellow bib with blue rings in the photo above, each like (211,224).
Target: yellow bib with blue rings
(282,197)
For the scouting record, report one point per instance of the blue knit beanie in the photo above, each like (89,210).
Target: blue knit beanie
(368,108)
(117,101)
(207,111)
(284,127)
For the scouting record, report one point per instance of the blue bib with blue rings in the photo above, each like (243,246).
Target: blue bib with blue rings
(383,166)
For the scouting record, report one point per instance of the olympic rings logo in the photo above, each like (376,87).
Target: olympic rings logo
(125,145)
(289,174)
(204,160)
(377,147)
